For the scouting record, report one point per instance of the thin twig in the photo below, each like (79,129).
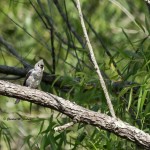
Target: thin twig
(12,50)
(70,38)
(102,43)
(94,61)
(64,127)
(48,26)
(24,29)
(71,28)
(47,78)
(49,23)
(53,48)
(105,48)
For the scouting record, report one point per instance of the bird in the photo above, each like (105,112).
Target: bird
(34,77)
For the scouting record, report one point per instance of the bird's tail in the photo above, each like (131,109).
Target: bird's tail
(17,101)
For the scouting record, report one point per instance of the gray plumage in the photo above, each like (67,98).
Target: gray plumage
(34,77)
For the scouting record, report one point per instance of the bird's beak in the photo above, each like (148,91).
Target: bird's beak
(42,67)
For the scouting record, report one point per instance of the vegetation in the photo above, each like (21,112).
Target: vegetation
(51,30)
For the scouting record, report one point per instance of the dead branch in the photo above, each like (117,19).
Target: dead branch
(93,59)
(21,72)
(77,112)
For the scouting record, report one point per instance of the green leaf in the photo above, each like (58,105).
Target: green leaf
(130,98)
(147,23)
(139,101)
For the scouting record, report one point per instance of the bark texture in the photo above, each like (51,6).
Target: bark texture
(76,112)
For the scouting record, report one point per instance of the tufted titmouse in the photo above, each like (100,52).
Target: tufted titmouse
(34,76)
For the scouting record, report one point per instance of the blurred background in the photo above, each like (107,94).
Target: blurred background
(50,30)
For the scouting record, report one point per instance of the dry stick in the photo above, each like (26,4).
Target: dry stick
(65,126)
(94,61)
(105,48)
(102,43)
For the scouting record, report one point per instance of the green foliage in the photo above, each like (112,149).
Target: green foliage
(119,32)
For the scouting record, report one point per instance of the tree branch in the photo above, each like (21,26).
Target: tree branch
(98,36)
(77,112)
(21,72)
(13,70)
(11,50)
(70,26)
(64,127)
(93,59)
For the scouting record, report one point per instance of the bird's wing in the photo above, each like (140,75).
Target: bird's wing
(27,76)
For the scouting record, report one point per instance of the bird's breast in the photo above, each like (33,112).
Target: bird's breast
(34,80)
